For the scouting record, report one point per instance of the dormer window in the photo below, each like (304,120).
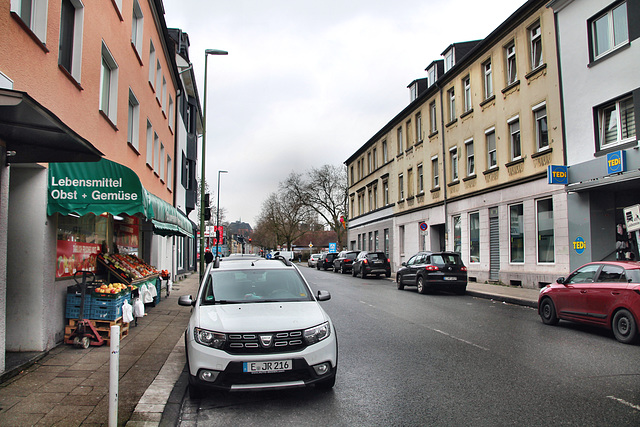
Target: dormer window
(414,91)
(448,60)
(432,75)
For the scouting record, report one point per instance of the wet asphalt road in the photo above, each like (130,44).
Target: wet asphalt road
(413,360)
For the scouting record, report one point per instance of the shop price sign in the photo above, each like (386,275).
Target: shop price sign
(75,256)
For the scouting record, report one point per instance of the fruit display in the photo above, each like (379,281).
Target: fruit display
(111,288)
(129,267)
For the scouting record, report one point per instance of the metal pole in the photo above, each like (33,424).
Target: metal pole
(114,372)
(218,215)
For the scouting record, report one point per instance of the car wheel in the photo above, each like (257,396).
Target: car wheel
(399,282)
(353,272)
(625,327)
(342,270)
(364,274)
(388,274)
(420,285)
(548,312)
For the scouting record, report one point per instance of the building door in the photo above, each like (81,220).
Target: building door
(494,245)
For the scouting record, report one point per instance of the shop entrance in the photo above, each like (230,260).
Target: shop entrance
(494,245)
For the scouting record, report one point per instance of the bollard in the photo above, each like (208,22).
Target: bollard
(114,372)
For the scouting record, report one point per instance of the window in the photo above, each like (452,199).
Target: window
(353,176)
(370,194)
(133,121)
(164,95)
(457,233)
(434,168)
(137,27)
(448,61)
(158,86)
(375,158)
(33,14)
(152,61)
(400,187)
(375,197)
(385,152)
(488,83)
(474,237)
(170,116)
(169,173)
(516,233)
(70,46)
(542,137)
(400,143)
(453,153)
(467,94)
(432,75)
(161,159)
(353,208)
(419,134)
(376,240)
(369,163)
(410,182)
(385,192)
(545,231)
(386,241)
(433,124)
(471,163)
(514,134)
(492,155)
(512,70)
(109,85)
(149,143)
(535,45)
(408,134)
(156,151)
(609,31)
(617,123)
(420,179)
(451,95)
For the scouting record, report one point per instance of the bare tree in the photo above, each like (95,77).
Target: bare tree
(325,191)
(282,216)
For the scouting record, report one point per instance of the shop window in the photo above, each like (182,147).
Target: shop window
(80,239)
(457,233)
(474,237)
(546,238)
(516,237)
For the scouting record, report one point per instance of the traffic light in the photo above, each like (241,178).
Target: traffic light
(206,200)
(207,213)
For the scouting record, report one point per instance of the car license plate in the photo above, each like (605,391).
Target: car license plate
(450,278)
(267,367)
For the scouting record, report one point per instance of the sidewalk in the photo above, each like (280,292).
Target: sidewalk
(70,386)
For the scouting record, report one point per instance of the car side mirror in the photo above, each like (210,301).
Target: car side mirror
(324,296)
(185,300)
(560,280)
(404,264)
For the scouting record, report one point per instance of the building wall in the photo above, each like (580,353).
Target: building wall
(77,102)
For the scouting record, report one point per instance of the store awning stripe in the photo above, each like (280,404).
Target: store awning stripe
(106,186)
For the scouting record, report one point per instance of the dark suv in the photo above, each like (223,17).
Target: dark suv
(344,261)
(368,263)
(430,271)
(326,260)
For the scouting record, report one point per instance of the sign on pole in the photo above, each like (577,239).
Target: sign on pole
(632,218)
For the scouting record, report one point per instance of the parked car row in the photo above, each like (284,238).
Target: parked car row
(358,263)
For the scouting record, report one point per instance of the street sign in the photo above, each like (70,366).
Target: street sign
(423,226)
(333,247)
(632,217)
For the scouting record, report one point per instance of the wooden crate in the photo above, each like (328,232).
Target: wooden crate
(102,326)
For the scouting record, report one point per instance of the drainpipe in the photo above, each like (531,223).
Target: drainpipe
(444,170)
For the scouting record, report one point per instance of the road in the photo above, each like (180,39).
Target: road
(414,360)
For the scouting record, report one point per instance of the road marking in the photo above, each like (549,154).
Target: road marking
(366,303)
(624,402)
(460,339)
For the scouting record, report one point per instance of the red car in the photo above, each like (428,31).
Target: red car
(605,294)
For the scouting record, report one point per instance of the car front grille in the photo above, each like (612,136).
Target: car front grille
(265,342)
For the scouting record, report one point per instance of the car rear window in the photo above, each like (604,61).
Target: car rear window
(377,255)
(351,255)
(445,259)
(249,286)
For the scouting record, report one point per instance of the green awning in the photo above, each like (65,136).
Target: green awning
(106,186)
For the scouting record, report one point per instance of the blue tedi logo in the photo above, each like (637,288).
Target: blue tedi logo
(616,162)
(579,245)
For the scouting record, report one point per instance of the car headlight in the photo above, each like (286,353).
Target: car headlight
(209,338)
(317,333)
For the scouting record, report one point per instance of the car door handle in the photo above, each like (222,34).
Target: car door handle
(583,292)
(615,293)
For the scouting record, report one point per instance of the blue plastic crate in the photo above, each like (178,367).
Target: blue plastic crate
(105,313)
(75,298)
(73,312)
(110,301)
(73,305)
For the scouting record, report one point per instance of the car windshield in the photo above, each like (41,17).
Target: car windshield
(376,255)
(251,286)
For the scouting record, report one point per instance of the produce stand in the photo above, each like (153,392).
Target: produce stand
(127,269)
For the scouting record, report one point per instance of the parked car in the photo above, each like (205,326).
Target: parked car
(604,294)
(326,260)
(367,263)
(344,261)
(430,271)
(255,324)
(313,260)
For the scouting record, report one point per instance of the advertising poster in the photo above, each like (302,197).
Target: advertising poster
(75,256)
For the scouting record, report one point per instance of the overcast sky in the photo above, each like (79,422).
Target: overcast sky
(307,83)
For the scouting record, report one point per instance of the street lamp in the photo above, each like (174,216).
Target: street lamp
(218,214)
(204,147)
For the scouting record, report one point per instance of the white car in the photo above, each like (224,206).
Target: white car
(256,325)
(313,260)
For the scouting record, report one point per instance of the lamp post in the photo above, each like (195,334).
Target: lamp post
(204,147)
(218,214)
